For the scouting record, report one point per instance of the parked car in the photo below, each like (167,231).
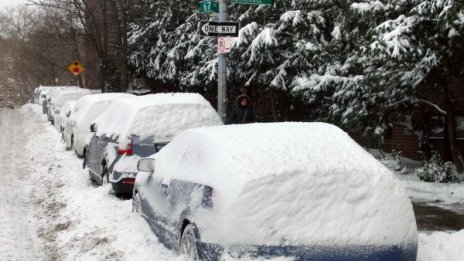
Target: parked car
(300,190)
(87,109)
(139,127)
(43,99)
(51,98)
(40,93)
(65,113)
(57,101)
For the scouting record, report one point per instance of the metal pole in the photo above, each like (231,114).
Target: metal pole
(222,68)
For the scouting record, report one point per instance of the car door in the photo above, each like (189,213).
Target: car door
(97,159)
(157,207)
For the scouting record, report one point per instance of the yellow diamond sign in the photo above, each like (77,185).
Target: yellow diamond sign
(76,68)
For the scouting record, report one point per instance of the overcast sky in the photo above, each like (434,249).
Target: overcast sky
(4,3)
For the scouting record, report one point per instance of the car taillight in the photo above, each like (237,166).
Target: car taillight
(129,181)
(125,150)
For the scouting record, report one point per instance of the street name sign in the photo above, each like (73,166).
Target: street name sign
(219,28)
(252,2)
(209,6)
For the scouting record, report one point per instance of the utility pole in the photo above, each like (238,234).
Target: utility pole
(222,68)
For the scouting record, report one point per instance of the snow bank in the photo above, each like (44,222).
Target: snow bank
(160,115)
(290,183)
(441,246)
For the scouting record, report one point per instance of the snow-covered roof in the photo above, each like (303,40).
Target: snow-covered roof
(55,91)
(86,101)
(69,95)
(309,180)
(161,116)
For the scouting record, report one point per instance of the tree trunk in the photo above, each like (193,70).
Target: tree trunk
(456,153)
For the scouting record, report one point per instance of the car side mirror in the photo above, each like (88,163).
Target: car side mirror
(146,164)
(93,127)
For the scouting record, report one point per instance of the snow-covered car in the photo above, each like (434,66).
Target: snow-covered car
(301,190)
(138,127)
(60,98)
(63,116)
(52,95)
(86,110)
(40,94)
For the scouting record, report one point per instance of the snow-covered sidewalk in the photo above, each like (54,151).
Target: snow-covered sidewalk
(17,227)
(74,220)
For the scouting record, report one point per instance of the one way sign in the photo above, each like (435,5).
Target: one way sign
(219,28)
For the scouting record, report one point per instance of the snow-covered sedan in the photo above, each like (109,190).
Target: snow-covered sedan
(138,127)
(55,104)
(52,96)
(63,116)
(86,110)
(300,190)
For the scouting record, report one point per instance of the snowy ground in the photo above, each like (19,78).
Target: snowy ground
(51,211)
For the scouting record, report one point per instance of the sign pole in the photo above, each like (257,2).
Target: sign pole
(222,69)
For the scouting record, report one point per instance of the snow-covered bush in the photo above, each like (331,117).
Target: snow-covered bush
(435,170)
(392,161)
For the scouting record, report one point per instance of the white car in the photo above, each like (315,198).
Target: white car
(40,94)
(51,97)
(60,98)
(87,109)
(65,113)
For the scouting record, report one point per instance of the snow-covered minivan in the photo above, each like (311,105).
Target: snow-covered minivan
(138,127)
(303,191)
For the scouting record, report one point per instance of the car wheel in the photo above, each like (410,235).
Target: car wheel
(188,243)
(136,203)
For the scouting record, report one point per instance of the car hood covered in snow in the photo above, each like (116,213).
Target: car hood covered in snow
(290,184)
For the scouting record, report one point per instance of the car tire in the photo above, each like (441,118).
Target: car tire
(136,203)
(188,243)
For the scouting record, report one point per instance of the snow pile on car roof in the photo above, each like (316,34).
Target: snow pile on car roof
(69,95)
(290,184)
(87,100)
(158,116)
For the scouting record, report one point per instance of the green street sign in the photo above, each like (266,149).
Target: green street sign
(209,6)
(252,2)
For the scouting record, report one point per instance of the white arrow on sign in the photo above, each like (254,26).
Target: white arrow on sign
(219,28)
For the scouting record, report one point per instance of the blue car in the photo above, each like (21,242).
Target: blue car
(305,191)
